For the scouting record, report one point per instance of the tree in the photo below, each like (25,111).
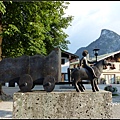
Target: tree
(2,11)
(34,27)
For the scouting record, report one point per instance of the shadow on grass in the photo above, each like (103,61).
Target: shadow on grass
(115,94)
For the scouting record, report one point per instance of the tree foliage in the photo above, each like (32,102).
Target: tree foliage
(2,7)
(34,27)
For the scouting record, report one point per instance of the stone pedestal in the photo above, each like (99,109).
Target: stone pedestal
(58,104)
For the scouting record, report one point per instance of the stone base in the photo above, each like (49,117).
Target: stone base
(67,104)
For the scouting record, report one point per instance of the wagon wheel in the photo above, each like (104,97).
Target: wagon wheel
(25,83)
(33,86)
(49,83)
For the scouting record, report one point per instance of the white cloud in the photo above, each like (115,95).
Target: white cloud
(90,17)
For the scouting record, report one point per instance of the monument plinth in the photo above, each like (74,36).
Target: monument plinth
(67,104)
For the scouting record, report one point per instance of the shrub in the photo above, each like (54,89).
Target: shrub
(111,89)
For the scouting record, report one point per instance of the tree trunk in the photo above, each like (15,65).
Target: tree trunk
(0,89)
(0,36)
(0,46)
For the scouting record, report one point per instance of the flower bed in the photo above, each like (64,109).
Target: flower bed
(111,89)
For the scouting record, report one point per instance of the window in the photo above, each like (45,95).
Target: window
(110,78)
(62,61)
(112,66)
(104,67)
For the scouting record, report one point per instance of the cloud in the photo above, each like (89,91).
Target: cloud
(90,17)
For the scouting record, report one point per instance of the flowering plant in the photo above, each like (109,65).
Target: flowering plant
(111,88)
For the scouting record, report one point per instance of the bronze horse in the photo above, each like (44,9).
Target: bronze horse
(77,75)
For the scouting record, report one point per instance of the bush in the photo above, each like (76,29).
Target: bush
(111,89)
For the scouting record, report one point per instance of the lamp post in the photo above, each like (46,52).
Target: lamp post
(96,52)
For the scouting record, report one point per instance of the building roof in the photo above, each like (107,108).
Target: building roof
(100,57)
(69,55)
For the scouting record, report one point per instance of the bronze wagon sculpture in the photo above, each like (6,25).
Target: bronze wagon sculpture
(28,71)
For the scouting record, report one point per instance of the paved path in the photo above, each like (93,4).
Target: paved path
(6,107)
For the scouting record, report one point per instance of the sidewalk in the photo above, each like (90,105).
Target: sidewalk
(6,107)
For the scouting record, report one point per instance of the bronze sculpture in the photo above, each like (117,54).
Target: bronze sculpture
(28,71)
(77,75)
(84,62)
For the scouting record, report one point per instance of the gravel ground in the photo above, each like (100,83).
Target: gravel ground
(6,107)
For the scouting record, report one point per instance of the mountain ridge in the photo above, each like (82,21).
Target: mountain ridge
(109,41)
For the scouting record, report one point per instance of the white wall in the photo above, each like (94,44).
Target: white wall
(110,74)
(65,66)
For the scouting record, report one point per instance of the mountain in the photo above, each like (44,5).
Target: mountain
(108,42)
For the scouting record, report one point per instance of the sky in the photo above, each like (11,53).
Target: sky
(90,17)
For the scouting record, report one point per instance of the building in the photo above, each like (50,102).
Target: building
(66,59)
(110,74)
